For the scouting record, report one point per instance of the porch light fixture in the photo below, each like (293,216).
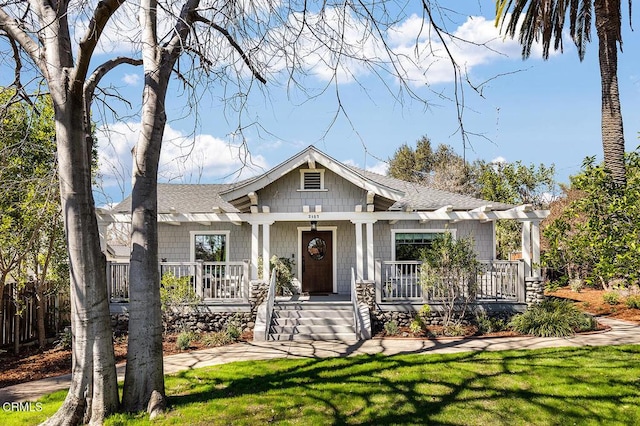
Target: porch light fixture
(314,225)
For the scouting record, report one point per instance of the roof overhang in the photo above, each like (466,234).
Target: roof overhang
(310,156)
(520,213)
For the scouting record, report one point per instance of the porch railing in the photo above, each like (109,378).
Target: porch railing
(495,281)
(270,303)
(210,280)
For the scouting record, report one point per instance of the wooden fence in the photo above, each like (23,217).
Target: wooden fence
(56,315)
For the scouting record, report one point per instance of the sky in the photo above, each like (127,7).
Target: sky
(534,111)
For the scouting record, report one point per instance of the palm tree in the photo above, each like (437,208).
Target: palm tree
(545,20)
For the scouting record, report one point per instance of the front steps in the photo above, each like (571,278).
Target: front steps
(306,320)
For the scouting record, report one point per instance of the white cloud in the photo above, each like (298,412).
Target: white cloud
(380,168)
(131,79)
(499,160)
(184,158)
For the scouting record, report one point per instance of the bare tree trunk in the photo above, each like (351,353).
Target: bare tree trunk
(145,372)
(608,27)
(93,393)
(144,376)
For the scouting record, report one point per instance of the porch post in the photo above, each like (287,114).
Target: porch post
(255,253)
(266,249)
(359,251)
(371,272)
(526,247)
(535,248)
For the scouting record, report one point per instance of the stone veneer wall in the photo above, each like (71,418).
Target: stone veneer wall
(534,292)
(379,317)
(203,318)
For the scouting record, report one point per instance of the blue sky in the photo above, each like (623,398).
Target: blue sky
(535,111)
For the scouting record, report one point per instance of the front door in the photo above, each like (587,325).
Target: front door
(317,262)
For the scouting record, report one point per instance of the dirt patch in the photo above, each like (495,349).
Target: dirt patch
(34,364)
(592,301)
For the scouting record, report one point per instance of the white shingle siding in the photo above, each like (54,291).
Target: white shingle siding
(285,196)
(174,242)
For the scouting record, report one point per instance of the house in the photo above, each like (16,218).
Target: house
(345,230)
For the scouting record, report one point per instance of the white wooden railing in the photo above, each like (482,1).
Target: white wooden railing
(270,302)
(354,302)
(210,280)
(495,281)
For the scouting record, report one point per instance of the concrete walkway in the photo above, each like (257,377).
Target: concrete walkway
(621,333)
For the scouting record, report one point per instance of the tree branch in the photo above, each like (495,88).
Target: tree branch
(93,81)
(15,32)
(235,45)
(101,15)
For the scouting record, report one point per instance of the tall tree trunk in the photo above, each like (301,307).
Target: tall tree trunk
(608,27)
(16,321)
(41,282)
(93,393)
(145,374)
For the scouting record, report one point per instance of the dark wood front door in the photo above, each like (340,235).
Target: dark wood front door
(317,262)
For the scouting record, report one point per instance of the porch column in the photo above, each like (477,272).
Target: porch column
(359,251)
(255,252)
(526,247)
(535,248)
(371,267)
(266,249)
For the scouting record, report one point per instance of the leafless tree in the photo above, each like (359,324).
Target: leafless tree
(202,43)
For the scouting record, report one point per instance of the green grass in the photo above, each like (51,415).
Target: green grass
(586,386)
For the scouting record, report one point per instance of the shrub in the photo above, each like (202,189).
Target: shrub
(487,324)
(611,297)
(176,291)
(233,330)
(552,318)
(283,267)
(454,330)
(64,339)
(576,284)
(219,338)
(416,325)
(449,271)
(633,302)
(425,311)
(184,339)
(391,328)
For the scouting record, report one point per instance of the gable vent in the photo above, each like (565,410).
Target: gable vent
(312,180)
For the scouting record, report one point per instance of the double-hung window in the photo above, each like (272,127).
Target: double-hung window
(210,246)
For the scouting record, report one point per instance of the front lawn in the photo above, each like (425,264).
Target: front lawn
(599,385)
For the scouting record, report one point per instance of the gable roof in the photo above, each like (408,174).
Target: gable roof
(186,198)
(397,194)
(311,156)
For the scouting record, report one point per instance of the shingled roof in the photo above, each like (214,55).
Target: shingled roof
(206,198)
(186,198)
(423,198)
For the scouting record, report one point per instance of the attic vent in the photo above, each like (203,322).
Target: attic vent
(312,180)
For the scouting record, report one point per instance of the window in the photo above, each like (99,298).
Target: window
(409,244)
(312,180)
(210,246)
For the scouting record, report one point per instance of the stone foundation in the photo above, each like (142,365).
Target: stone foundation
(404,313)
(204,318)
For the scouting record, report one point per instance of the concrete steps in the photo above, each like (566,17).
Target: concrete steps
(303,320)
